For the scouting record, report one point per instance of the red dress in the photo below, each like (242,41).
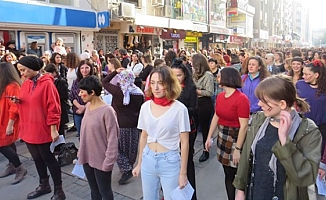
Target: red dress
(9,110)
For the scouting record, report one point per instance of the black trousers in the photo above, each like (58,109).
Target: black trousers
(322,129)
(191,166)
(204,111)
(10,152)
(43,159)
(99,182)
(229,173)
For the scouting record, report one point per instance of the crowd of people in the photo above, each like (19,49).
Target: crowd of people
(267,106)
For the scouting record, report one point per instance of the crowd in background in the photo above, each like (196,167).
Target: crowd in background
(268,106)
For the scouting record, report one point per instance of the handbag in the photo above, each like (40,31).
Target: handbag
(68,152)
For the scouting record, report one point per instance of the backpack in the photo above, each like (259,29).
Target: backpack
(68,152)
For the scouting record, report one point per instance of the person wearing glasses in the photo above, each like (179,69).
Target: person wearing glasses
(254,72)
(270,63)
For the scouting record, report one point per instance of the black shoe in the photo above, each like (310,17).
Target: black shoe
(204,156)
(125,177)
(72,129)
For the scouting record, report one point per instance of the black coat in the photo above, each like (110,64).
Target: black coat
(62,87)
(189,98)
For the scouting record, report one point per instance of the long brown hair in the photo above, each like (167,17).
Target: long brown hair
(280,87)
(200,65)
(169,82)
(72,60)
(8,74)
(116,63)
(263,73)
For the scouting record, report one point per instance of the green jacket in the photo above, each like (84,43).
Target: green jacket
(300,158)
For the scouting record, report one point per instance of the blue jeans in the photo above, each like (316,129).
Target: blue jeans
(159,169)
(77,120)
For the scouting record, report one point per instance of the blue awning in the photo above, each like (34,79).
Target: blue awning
(23,13)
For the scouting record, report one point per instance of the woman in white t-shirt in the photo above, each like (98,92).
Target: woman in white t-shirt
(164,122)
(136,67)
(72,61)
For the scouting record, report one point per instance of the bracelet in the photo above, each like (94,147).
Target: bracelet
(237,148)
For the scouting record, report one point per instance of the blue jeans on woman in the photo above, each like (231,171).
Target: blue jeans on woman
(159,169)
(77,120)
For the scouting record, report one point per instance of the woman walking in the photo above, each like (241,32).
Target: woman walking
(9,118)
(164,122)
(127,100)
(204,81)
(189,98)
(100,139)
(232,116)
(281,154)
(39,111)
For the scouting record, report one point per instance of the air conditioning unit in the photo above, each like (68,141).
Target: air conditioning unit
(158,3)
(168,11)
(127,10)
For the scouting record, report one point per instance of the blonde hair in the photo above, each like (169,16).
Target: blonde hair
(169,80)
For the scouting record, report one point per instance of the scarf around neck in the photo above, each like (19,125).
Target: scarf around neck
(162,101)
(296,120)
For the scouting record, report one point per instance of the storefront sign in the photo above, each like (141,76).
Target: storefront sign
(194,34)
(173,34)
(218,30)
(39,39)
(191,39)
(235,39)
(195,10)
(238,19)
(145,29)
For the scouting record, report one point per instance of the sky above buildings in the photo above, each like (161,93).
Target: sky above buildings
(317,13)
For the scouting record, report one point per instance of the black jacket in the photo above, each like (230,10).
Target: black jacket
(62,87)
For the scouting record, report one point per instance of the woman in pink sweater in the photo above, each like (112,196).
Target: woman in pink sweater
(99,139)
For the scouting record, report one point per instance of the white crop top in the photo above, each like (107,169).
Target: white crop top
(165,129)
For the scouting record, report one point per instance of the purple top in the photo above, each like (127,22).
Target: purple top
(248,88)
(74,94)
(317,104)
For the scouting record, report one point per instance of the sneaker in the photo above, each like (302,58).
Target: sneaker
(125,177)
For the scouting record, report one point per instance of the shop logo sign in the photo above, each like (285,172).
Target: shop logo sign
(175,35)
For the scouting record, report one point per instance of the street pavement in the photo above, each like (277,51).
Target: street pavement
(209,179)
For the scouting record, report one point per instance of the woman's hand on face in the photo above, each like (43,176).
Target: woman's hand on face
(285,124)
(183,180)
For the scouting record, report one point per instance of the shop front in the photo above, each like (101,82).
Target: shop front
(192,40)
(59,22)
(235,42)
(141,38)
(107,38)
(171,38)
(217,38)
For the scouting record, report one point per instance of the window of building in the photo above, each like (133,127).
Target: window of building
(61,2)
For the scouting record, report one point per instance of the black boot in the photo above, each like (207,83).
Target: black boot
(204,156)
(43,188)
(58,193)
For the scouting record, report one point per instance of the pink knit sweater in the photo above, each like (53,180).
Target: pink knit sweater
(99,138)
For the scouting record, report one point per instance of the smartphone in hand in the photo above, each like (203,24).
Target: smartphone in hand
(13,99)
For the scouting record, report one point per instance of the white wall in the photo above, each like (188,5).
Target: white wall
(87,38)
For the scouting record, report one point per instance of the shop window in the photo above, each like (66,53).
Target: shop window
(177,9)
(62,2)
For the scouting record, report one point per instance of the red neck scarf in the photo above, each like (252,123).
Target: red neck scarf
(162,101)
